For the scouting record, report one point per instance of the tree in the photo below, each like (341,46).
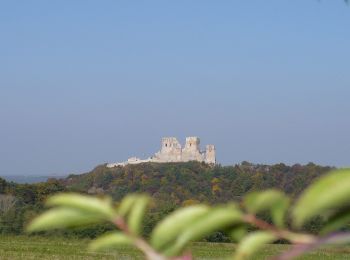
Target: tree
(7,202)
(170,236)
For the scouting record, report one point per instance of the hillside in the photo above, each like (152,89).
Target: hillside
(185,182)
(29,178)
(170,184)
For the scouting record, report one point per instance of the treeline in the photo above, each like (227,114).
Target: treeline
(171,185)
(19,203)
(193,181)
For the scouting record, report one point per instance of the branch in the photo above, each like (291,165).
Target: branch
(299,249)
(297,238)
(141,244)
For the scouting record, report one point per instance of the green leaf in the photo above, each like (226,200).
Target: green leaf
(238,232)
(339,220)
(62,218)
(88,204)
(252,243)
(169,228)
(274,201)
(278,212)
(216,219)
(137,213)
(326,194)
(126,204)
(109,241)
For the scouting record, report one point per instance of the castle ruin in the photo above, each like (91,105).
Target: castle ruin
(172,151)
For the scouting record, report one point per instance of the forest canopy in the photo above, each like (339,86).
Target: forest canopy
(171,185)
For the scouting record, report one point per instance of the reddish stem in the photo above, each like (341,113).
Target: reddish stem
(143,245)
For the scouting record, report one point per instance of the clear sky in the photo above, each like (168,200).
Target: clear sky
(88,82)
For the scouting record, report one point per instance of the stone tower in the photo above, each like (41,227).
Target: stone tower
(170,150)
(192,143)
(210,154)
(191,151)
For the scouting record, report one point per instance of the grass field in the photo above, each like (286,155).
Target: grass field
(22,247)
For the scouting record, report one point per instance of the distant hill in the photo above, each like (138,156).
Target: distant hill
(30,178)
(171,185)
(182,183)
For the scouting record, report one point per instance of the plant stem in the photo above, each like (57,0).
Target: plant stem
(295,238)
(138,241)
(299,249)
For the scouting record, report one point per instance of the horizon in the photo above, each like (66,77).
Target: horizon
(87,83)
(64,175)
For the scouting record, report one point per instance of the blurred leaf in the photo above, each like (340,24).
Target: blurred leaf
(126,204)
(137,213)
(216,219)
(339,220)
(252,243)
(110,240)
(85,203)
(279,210)
(238,232)
(328,193)
(274,201)
(169,228)
(62,218)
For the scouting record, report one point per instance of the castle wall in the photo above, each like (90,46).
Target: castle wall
(210,154)
(191,151)
(171,151)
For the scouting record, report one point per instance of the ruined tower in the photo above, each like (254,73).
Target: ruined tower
(192,144)
(191,151)
(210,154)
(171,151)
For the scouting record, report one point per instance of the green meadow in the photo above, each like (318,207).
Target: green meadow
(24,247)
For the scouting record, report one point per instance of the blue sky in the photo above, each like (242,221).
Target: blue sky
(88,82)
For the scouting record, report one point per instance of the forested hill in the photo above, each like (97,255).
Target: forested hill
(171,185)
(186,183)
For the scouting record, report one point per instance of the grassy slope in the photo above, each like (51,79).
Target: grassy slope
(21,247)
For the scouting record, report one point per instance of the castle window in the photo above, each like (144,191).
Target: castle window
(166,145)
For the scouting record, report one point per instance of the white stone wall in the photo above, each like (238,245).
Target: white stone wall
(171,151)
(210,154)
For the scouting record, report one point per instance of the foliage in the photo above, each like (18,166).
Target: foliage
(171,186)
(197,181)
(172,235)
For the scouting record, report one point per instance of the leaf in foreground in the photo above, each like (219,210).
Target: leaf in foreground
(273,201)
(337,221)
(328,193)
(109,241)
(137,213)
(58,218)
(127,204)
(173,225)
(238,232)
(85,203)
(252,243)
(217,219)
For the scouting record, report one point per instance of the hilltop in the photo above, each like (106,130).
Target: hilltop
(171,185)
(194,181)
